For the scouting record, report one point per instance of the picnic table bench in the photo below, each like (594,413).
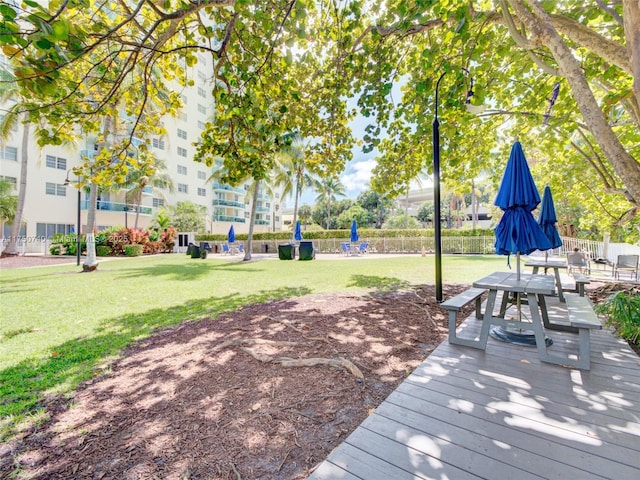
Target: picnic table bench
(457,303)
(583,319)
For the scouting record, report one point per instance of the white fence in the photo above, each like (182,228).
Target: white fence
(450,245)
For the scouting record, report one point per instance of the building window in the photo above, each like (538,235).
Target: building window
(183,98)
(182,188)
(9,153)
(201,125)
(55,189)
(202,192)
(202,92)
(202,59)
(12,180)
(182,152)
(48,230)
(182,134)
(158,202)
(184,117)
(158,143)
(277,219)
(182,170)
(202,109)
(202,175)
(56,162)
(202,76)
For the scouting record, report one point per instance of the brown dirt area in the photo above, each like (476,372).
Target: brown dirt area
(265,392)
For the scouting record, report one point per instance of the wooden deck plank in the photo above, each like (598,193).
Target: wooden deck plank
(579,403)
(437,454)
(530,432)
(501,413)
(473,435)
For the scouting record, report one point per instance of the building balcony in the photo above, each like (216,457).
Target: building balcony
(263,209)
(224,218)
(117,207)
(147,191)
(227,203)
(227,188)
(262,222)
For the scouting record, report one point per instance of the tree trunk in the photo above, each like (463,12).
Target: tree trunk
(91,261)
(138,203)
(254,206)
(12,247)
(295,206)
(626,167)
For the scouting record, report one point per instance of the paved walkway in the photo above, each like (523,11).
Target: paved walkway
(502,414)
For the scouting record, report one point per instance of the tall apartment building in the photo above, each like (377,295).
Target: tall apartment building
(52,207)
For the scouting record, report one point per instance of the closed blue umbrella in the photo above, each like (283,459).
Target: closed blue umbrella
(231,237)
(518,232)
(354,231)
(547,219)
(297,233)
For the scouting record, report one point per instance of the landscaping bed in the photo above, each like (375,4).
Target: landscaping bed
(217,399)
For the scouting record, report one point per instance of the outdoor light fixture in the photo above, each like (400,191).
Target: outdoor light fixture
(436,178)
(67,182)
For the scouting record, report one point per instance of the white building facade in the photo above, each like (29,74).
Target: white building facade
(52,207)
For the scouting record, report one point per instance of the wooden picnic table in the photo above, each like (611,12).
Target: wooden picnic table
(554,263)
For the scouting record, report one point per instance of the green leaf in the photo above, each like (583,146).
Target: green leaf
(7,12)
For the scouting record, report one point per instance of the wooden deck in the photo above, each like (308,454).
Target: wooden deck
(502,414)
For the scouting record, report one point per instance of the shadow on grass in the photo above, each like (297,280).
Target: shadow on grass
(24,387)
(187,271)
(379,284)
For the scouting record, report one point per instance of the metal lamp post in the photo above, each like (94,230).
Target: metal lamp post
(436,196)
(436,184)
(67,182)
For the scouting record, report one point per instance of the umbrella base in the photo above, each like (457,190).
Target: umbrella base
(517,336)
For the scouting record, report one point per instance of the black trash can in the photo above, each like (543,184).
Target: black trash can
(195,251)
(306,251)
(265,248)
(205,246)
(285,252)
(190,248)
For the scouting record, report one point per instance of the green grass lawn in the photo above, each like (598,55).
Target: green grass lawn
(58,326)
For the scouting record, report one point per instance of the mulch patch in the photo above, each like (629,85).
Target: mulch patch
(264,392)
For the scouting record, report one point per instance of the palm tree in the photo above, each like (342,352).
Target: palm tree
(8,201)
(147,175)
(328,189)
(10,120)
(291,171)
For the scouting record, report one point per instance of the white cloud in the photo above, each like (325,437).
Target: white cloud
(357,177)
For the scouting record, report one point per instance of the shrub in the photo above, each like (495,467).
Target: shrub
(133,250)
(56,249)
(623,314)
(103,250)
(153,247)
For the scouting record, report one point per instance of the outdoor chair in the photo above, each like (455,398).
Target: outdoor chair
(306,251)
(241,248)
(626,263)
(346,248)
(362,248)
(577,261)
(225,249)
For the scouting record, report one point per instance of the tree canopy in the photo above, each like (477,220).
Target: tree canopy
(563,76)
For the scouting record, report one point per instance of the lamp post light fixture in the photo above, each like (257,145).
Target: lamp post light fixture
(436,179)
(67,182)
